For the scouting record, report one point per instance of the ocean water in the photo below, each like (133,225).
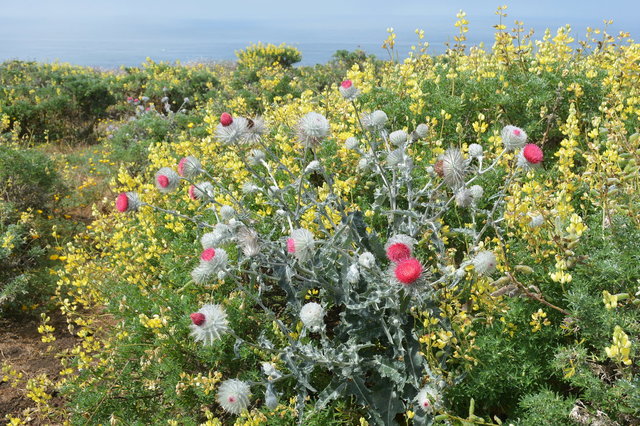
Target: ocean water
(113,42)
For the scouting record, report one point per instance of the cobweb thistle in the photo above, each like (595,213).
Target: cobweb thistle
(348,90)
(399,247)
(454,168)
(300,244)
(233,396)
(375,120)
(231,130)
(255,130)
(476,150)
(248,241)
(426,399)
(407,271)
(367,260)
(484,262)
(166,180)
(312,129)
(128,202)
(421,131)
(212,262)
(398,138)
(352,143)
(530,157)
(209,324)
(189,167)
(312,316)
(464,198)
(513,137)
(200,191)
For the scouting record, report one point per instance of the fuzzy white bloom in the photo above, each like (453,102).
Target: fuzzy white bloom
(400,238)
(227,212)
(476,150)
(422,130)
(300,244)
(189,167)
(454,168)
(233,396)
(249,187)
(536,221)
(364,163)
(255,130)
(427,398)
(220,234)
(476,192)
(209,324)
(313,166)
(348,90)
(353,275)
(166,179)
(513,138)
(312,129)
(395,158)
(234,132)
(128,202)
(398,138)
(464,198)
(312,316)
(210,268)
(256,157)
(248,241)
(202,190)
(484,262)
(375,121)
(367,260)
(352,143)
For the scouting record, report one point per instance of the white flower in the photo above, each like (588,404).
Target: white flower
(400,238)
(312,129)
(128,202)
(313,166)
(375,121)
(427,398)
(227,212)
(189,167)
(256,157)
(476,192)
(464,198)
(220,234)
(453,168)
(353,275)
(233,396)
(351,143)
(398,138)
(248,241)
(476,150)
(536,221)
(395,158)
(485,262)
(312,316)
(348,90)
(234,132)
(209,324)
(364,163)
(166,179)
(211,267)
(513,138)
(255,130)
(367,260)
(249,187)
(422,130)
(300,244)
(202,190)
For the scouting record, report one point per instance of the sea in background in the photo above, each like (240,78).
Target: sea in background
(120,40)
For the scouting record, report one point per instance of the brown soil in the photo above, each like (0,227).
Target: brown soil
(22,348)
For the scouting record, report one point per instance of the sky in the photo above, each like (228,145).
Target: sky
(111,32)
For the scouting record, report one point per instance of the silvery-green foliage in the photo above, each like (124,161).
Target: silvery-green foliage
(362,329)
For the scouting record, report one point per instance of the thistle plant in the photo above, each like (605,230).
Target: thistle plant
(360,327)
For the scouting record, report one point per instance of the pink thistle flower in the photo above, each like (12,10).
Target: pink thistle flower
(291,245)
(192,193)
(408,271)
(197,318)
(348,90)
(166,179)
(127,201)
(532,153)
(226,119)
(208,254)
(162,180)
(122,202)
(346,84)
(398,252)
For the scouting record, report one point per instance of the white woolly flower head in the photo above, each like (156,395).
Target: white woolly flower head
(375,120)
(249,187)
(201,191)
(221,233)
(248,241)
(400,238)
(398,138)
(313,166)
(209,324)
(301,244)
(352,143)
(367,260)
(233,133)
(427,399)
(364,163)
(464,198)
(256,157)
(312,316)
(128,202)
(513,138)
(485,262)
(227,212)
(353,274)
(212,262)
(312,129)
(422,130)
(397,158)
(476,192)
(255,130)
(189,167)
(476,150)
(537,220)
(166,179)
(348,90)
(454,168)
(233,396)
